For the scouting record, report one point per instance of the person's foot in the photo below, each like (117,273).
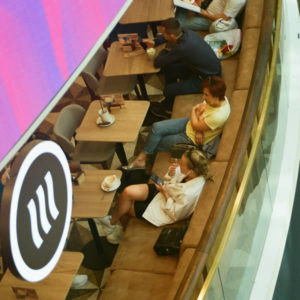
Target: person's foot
(106,226)
(137,164)
(160,110)
(116,236)
(79,281)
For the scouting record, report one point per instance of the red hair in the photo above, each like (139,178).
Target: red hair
(215,85)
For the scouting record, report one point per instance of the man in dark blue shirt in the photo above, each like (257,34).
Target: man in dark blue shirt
(186,61)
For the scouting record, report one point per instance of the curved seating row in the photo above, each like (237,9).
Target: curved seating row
(137,272)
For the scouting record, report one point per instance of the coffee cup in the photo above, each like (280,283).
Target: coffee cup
(105,116)
(109,181)
(151,53)
(108,99)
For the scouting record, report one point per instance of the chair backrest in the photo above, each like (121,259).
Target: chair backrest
(88,74)
(96,61)
(90,80)
(67,121)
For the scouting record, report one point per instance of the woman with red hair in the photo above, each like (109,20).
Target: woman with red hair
(202,128)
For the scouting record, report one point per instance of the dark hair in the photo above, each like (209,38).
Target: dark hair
(172,26)
(198,162)
(215,85)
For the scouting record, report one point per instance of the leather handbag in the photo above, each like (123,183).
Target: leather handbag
(170,240)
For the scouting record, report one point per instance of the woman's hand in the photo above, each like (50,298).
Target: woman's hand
(162,190)
(172,168)
(199,137)
(201,108)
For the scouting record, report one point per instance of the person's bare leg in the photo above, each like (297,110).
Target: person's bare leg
(132,193)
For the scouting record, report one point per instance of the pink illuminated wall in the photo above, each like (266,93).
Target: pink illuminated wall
(42,42)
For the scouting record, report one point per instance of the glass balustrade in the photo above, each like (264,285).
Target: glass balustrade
(238,266)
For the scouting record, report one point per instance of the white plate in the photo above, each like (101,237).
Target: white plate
(106,125)
(189,1)
(113,188)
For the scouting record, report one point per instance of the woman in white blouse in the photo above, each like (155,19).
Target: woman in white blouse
(217,9)
(161,204)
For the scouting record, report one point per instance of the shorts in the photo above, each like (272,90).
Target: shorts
(140,206)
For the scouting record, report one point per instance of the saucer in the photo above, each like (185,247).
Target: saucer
(106,124)
(112,188)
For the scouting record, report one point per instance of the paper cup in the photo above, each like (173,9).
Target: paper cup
(151,52)
(108,99)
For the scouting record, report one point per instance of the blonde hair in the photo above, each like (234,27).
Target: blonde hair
(198,162)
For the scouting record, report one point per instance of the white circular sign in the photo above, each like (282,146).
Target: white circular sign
(40,211)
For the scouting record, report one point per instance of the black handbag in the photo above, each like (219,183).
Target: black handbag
(170,240)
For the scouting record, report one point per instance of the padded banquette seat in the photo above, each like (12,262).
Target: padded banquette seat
(137,272)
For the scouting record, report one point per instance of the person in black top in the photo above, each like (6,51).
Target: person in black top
(186,61)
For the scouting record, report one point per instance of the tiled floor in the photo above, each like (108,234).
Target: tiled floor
(79,234)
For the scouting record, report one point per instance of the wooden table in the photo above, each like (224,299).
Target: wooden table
(53,287)
(148,11)
(117,65)
(128,121)
(90,201)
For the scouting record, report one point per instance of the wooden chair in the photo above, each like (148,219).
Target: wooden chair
(64,129)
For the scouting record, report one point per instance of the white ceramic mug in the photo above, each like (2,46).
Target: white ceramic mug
(105,115)
(110,181)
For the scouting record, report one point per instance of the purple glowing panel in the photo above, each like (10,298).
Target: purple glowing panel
(42,42)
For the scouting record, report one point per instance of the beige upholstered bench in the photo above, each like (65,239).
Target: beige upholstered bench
(137,272)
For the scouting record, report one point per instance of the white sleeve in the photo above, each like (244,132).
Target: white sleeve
(233,7)
(175,207)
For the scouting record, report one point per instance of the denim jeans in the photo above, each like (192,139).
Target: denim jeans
(165,134)
(193,22)
(189,83)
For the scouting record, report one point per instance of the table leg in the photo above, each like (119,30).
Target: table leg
(95,235)
(121,154)
(94,256)
(142,87)
(153,26)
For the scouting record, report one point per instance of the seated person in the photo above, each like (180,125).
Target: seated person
(203,128)
(217,9)
(164,203)
(185,61)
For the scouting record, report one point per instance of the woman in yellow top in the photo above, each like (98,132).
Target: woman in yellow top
(203,128)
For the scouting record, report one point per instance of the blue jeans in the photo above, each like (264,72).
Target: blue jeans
(193,22)
(165,134)
(189,83)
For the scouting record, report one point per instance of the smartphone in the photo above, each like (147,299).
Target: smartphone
(156,179)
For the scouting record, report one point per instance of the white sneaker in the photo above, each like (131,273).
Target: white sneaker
(105,222)
(79,281)
(115,237)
